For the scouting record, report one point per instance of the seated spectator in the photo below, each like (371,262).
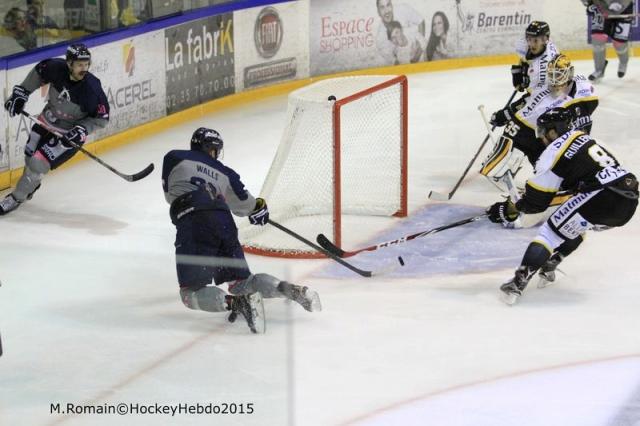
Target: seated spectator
(36,16)
(18,27)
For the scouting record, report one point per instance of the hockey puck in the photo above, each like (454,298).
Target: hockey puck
(401,260)
(331,98)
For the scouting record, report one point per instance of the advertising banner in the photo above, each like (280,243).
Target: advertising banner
(133,80)
(352,34)
(271,44)
(199,61)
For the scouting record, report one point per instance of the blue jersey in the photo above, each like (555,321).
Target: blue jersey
(210,181)
(69,102)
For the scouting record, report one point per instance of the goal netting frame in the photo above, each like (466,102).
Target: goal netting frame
(368,128)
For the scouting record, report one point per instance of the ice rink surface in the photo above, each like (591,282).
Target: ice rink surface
(90,314)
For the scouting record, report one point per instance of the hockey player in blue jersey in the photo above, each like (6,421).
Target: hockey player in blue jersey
(76,107)
(203,193)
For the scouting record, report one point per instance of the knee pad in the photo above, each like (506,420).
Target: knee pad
(599,40)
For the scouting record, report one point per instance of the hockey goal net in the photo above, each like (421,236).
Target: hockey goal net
(335,158)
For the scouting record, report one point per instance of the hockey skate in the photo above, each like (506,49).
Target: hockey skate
(306,297)
(8,204)
(622,69)
(512,290)
(547,273)
(598,74)
(251,308)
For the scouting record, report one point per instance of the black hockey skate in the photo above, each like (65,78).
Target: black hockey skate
(251,308)
(513,289)
(8,204)
(547,274)
(306,297)
(622,69)
(598,74)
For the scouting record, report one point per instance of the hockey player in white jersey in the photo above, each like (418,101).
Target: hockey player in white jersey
(563,89)
(203,193)
(609,18)
(535,51)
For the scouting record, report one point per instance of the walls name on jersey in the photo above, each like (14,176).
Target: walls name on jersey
(207,171)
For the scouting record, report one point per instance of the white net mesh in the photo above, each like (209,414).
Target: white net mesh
(301,184)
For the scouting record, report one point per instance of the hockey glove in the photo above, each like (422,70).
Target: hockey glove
(76,136)
(503,211)
(15,103)
(520,77)
(260,214)
(501,117)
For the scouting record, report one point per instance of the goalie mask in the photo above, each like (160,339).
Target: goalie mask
(560,73)
(206,140)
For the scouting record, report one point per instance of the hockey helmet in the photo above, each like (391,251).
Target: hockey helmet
(205,140)
(558,119)
(78,52)
(537,29)
(560,71)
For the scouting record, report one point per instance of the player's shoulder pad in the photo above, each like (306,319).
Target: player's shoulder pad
(51,66)
(583,87)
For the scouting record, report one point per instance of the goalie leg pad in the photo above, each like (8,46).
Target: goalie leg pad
(503,158)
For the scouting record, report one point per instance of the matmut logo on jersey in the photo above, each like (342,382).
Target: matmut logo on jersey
(129,58)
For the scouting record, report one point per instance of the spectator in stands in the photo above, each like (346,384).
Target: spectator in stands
(18,27)
(36,16)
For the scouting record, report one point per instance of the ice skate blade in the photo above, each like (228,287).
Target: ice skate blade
(510,298)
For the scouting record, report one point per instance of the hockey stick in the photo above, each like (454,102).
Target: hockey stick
(438,196)
(130,178)
(330,255)
(333,249)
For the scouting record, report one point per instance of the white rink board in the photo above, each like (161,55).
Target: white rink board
(133,79)
(271,44)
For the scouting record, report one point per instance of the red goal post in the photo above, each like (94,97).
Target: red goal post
(336,157)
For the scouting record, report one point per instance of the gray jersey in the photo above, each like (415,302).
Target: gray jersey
(189,171)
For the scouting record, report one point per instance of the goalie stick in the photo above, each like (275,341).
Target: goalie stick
(330,255)
(438,196)
(337,251)
(130,178)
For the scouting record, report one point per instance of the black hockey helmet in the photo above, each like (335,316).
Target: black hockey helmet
(205,140)
(78,52)
(537,29)
(558,119)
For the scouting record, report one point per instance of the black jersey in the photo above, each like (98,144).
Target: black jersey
(574,161)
